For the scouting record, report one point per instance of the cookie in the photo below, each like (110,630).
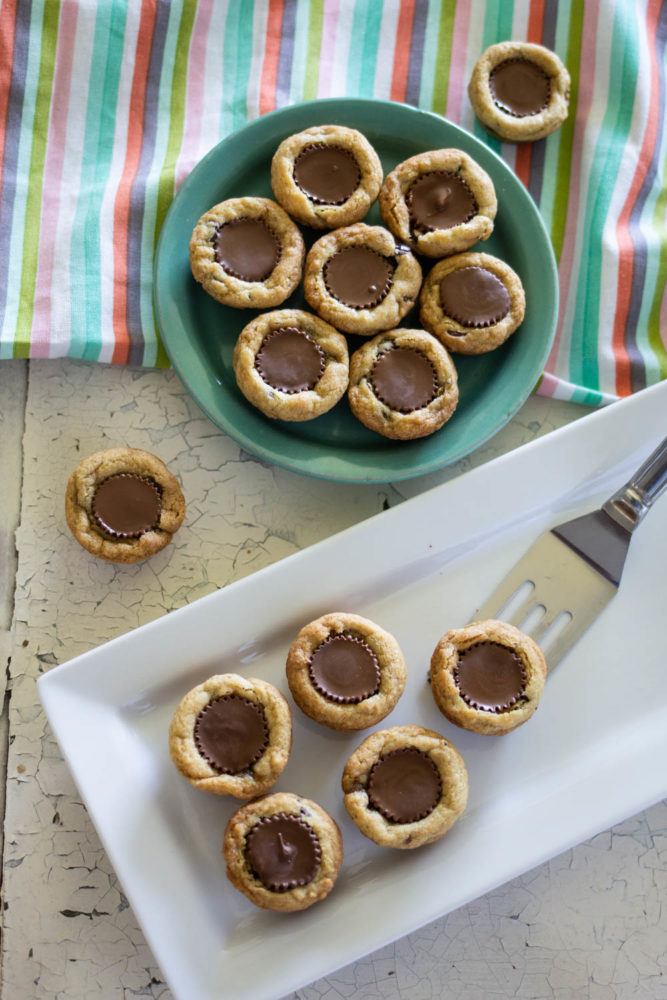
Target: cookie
(403,384)
(283,852)
(327,176)
(231,735)
(360,279)
(520,91)
(123,504)
(405,787)
(472,302)
(439,202)
(345,671)
(487,677)
(247,253)
(291,365)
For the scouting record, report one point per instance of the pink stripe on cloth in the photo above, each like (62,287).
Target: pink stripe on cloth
(548,385)
(457,94)
(584,102)
(53,174)
(195,94)
(328,48)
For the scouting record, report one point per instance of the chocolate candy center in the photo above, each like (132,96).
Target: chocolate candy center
(404,786)
(283,852)
(345,669)
(440,200)
(474,296)
(490,676)
(247,249)
(289,360)
(404,379)
(231,733)
(520,87)
(327,174)
(126,505)
(358,277)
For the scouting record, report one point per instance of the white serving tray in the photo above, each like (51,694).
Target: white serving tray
(593,754)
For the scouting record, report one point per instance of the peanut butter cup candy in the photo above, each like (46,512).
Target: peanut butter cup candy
(123,504)
(247,253)
(283,852)
(231,735)
(345,671)
(487,677)
(472,302)
(360,279)
(405,787)
(403,384)
(520,91)
(326,176)
(291,365)
(439,202)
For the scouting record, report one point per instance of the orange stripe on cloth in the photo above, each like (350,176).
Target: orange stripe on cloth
(7,35)
(274,27)
(399,80)
(626,255)
(534,29)
(121,213)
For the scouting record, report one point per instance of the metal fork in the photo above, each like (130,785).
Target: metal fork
(572,571)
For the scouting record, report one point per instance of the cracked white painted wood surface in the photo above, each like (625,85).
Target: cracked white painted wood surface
(589,924)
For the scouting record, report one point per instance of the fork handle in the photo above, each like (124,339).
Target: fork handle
(629,504)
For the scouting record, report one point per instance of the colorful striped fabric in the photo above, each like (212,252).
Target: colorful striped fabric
(106,106)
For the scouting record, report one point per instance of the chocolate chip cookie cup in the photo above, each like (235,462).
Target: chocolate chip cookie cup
(123,505)
(291,365)
(283,852)
(231,735)
(438,203)
(360,279)
(405,787)
(520,91)
(326,176)
(487,677)
(345,671)
(403,384)
(247,253)
(472,302)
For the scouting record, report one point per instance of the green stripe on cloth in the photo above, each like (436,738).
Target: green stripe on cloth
(98,146)
(566,138)
(49,36)
(365,27)
(315,22)
(443,59)
(615,126)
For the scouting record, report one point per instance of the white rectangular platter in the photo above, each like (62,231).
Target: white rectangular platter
(593,754)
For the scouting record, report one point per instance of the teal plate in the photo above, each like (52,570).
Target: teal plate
(199,334)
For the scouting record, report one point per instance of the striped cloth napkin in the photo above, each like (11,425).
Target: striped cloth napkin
(106,105)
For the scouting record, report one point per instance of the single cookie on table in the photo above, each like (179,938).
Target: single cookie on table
(439,202)
(403,384)
(291,365)
(405,787)
(345,671)
(247,253)
(327,176)
(520,91)
(282,851)
(123,504)
(231,735)
(360,279)
(487,677)
(472,302)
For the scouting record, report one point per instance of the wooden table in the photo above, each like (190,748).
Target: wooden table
(588,924)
